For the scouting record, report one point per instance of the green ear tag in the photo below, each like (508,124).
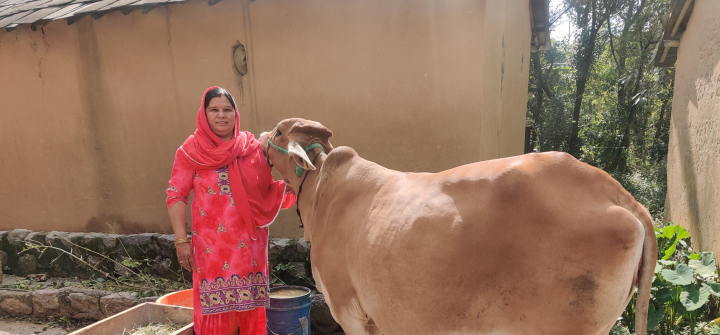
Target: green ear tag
(298,170)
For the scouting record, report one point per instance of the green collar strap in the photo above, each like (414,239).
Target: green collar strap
(298,168)
(283,151)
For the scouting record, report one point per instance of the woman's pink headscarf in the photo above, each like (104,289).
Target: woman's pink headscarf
(257,197)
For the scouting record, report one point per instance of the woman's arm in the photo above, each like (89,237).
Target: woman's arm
(183,250)
(177,218)
(181,183)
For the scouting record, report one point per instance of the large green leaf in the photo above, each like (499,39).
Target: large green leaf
(714,288)
(691,298)
(654,316)
(668,232)
(681,232)
(705,266)
(665,294)
(682,275)
(695,255)
(671,230)
(659,283)
(670,247)
(658,267)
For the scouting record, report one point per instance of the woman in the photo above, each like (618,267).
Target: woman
(235,200)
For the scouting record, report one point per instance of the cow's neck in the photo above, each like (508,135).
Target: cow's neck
(307,188)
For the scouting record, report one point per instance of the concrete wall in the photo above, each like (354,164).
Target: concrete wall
(694,152)
(91,113)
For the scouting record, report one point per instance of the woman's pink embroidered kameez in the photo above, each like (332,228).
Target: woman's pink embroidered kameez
(235,200)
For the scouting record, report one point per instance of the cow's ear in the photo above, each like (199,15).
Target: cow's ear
(298,154)
(312,128)
(306,131)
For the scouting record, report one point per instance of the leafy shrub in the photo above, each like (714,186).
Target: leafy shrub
(648,185)
(684,283)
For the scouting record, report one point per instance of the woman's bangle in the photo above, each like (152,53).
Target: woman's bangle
(181,241)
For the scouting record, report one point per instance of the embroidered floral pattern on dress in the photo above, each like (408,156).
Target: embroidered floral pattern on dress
(230,296)
(223,180)
(241,245)
(210,190)
(221,228)
(261,293)
(224,189)
(234,293)
(185,199)
(202,212)
(173,193)
(226,266)
(207,250)
(223,173)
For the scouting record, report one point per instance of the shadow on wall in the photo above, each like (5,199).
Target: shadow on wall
(95,97)
(687,166)
(696,129)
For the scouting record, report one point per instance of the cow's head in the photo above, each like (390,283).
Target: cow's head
(293,148)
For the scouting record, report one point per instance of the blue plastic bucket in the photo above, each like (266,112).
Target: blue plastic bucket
(289,311)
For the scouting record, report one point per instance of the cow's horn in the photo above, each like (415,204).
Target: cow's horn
(298,154)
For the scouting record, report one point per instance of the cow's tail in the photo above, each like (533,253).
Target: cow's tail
(645,271)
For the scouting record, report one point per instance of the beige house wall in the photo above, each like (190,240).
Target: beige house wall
(91,113)
(694,152)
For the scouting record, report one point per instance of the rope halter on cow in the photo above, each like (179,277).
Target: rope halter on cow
(298,169)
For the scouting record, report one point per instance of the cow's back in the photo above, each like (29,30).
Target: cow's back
(495,245)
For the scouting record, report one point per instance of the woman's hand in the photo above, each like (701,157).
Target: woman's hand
(183,250)
(185,256)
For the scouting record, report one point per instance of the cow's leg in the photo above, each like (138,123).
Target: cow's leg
(607,330)
(354,320)
(353,325)
(373,329)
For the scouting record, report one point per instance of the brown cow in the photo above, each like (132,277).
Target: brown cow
(532,244)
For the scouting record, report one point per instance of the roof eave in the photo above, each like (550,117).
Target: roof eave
(673,29)
(540,25)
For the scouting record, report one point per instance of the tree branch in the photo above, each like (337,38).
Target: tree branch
(539,76)
(552,65)
(612,46)
(552,22)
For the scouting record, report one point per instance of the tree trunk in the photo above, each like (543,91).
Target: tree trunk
(619,162)
(590,21)
(536,108)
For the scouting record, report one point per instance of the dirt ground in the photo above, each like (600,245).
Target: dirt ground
(30,326)
(23,327)
(13,326)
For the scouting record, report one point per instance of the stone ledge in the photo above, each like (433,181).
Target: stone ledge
(76,303)
(158,250)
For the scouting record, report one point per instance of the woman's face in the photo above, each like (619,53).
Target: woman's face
(221,117)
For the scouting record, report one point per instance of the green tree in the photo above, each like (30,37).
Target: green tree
(597,96)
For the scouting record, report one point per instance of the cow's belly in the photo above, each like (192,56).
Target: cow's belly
(509,272)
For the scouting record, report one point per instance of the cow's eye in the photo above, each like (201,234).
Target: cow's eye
(278,133)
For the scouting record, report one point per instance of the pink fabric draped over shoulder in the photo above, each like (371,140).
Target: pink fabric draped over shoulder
(258,200)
